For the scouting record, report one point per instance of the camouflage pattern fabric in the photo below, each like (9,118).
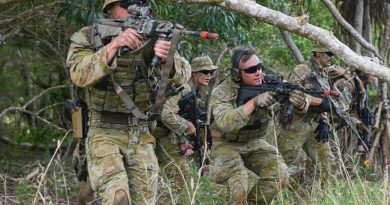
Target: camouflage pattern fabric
(296,141)
(249,166)
(121,158)
(173,163)
(351,96)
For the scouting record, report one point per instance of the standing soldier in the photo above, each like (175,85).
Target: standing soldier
(241,158)
(297,142)
(122,165)
(177,145)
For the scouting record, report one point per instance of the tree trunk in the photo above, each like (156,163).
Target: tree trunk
(294,49)
(385,39)
(358,24)
(367,25)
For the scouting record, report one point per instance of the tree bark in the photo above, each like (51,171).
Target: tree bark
(299,25)
(367,25)
(293,47)
(358,24)
(385,45)
(349,28)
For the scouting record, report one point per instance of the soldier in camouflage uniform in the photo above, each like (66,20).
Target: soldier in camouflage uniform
(175,146)
(298,141)
(122,165)
(241,158)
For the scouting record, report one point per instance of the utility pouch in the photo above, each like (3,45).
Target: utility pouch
(78,109)
(79,112)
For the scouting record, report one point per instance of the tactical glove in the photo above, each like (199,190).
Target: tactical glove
(264,100)
(323,129)
(297,98)
(335,71)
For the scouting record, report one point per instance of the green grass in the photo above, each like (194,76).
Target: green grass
(60,186)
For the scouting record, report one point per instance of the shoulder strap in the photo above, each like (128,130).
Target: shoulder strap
(167,67)
(129,103)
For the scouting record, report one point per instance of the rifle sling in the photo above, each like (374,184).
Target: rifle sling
(127,100)
(167,67)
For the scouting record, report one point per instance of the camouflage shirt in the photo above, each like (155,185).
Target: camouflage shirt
(170,111)
(89,68)
(230,119)
(301,75)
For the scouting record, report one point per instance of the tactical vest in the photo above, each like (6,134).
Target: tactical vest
(255,128)
(131,74)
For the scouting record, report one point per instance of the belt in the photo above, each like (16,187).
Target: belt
(118,118)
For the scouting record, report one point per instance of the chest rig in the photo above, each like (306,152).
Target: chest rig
(134,77)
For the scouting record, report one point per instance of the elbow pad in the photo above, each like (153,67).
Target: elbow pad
(325,105)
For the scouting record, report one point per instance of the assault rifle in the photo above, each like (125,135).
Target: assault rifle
(276,84)
(336,107)
(140,19)
(190,111)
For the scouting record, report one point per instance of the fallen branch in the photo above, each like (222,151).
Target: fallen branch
(27,145)
(299,25)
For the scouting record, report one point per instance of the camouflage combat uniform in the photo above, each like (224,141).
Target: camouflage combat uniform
(297,142)
(241,158)
(352,97)
(168,149)
(168,144)
(120,149)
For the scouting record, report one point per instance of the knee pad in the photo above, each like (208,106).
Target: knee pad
(121,198)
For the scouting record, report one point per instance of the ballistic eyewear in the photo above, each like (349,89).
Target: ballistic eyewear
(253,69)
(330,54)
(206,72)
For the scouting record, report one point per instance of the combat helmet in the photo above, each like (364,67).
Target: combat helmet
(108,2)
(202,63)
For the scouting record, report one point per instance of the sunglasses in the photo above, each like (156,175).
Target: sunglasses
(206,72)
(253,69)
(330,54)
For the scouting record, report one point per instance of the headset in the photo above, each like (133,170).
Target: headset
(235,71)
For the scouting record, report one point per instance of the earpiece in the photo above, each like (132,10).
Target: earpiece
(235,72)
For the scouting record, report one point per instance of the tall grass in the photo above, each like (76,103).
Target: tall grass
(349,184)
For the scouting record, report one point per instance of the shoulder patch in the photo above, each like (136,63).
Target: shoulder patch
(82,37)
(219,94)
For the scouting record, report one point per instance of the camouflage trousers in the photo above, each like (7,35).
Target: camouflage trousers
(299,148)
(253,171)
(121,162)
(175,168)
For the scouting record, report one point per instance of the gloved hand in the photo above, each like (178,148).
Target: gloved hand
(335,71)
(323,129)
(297,98)
(186,149)
(264,100)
